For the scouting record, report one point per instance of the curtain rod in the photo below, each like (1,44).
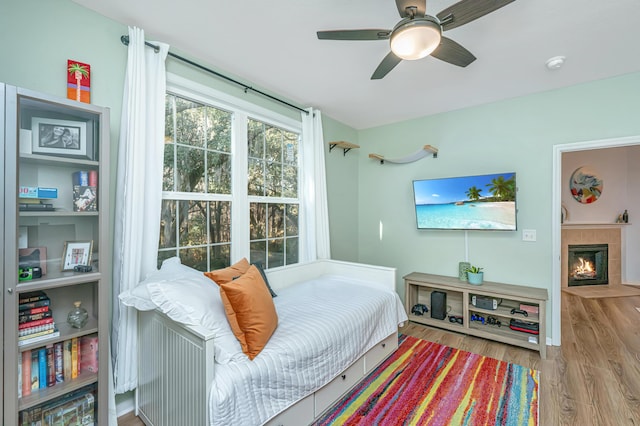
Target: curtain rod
(125,40)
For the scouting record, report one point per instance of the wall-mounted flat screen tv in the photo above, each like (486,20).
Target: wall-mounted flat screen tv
(483,202)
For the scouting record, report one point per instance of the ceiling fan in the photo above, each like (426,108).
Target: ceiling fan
(418,35)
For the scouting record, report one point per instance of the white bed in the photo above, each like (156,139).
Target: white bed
(336,322)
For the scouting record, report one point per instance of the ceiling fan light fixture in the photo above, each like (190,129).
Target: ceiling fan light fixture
(415,38)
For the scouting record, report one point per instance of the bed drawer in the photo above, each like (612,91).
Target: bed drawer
(338,386)
(301,413)
(379,352)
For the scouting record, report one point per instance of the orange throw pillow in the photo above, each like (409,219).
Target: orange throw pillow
(250,311)
(225,275)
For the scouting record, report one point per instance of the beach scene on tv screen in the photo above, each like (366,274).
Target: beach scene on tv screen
(469,202)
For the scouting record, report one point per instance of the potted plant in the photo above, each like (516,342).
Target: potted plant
(475,275)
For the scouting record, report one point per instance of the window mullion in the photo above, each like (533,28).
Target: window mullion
(239,185)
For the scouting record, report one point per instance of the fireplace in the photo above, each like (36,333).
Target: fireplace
(588,264)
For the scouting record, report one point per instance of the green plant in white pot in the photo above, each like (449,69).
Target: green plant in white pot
(475,275)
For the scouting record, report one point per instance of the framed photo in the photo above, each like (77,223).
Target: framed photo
(59,137)
(76,253)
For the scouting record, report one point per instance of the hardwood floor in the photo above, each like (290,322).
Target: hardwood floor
(129,419)
(592,379)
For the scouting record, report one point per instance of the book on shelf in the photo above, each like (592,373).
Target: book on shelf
(35,323)
(26,373)
(85,178)
(35,370)
(58,362)
(84,198)
(89,354)
(73,408)
(31,417)
(51,369)
(31,200)
(28,318)
(42,368)
(75,343)
(33,311)
(39,207)
(48,334)
(32,296)
(36,330)
(20,377)
(33,305)
(66,360)
(37,192)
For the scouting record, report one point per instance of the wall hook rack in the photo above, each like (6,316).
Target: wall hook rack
(346,146)
(423,152)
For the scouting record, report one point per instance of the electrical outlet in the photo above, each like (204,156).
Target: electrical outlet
(528,235)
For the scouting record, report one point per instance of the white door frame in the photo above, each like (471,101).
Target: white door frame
(556,205)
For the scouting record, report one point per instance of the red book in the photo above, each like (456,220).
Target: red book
(34,311)
(89,354)
(26,373)
(35,323)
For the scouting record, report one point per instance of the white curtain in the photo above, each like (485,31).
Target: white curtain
(138,194)
(314,217)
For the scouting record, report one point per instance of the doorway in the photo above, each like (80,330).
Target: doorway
(556,207)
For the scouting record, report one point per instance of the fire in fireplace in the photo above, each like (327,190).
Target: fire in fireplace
(588,264)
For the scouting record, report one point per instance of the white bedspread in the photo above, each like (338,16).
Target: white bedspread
(324,325)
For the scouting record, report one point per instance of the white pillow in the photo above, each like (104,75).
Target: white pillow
(139,297)
(187,296)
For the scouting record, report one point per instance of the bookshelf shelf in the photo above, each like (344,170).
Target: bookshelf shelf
(47,394)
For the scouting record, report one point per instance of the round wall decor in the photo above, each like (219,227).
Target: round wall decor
(585,185)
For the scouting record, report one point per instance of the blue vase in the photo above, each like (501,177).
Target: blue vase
(475,278)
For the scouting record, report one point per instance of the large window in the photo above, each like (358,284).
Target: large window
(230,186)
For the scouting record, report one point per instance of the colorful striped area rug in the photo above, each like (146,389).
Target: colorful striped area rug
(424,383)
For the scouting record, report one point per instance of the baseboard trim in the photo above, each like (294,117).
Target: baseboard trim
(125,403)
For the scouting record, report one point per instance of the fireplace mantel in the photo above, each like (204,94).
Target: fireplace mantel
(592,225)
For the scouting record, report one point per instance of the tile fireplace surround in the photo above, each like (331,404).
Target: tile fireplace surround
(594,235)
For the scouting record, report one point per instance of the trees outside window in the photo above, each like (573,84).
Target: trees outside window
(205,218)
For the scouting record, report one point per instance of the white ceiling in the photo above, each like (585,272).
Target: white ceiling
(272,45)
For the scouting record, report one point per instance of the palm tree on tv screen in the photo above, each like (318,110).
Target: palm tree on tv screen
(474,193)
(503,190)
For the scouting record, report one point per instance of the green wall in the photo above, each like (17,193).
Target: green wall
(513,135)
(342,190)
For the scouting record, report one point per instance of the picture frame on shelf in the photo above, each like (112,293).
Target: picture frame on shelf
(59,137)
(76,253)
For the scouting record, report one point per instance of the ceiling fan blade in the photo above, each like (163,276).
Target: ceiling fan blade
(466,11)
(453,53)
(388,63)
(420,5)
(371,34)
